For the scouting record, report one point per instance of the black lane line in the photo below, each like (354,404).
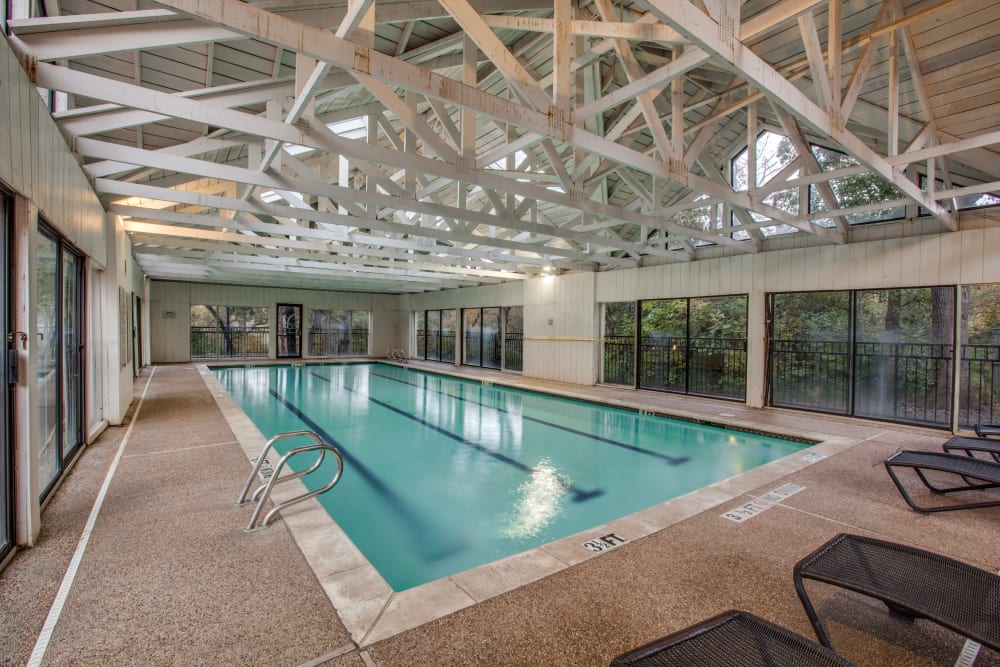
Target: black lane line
(672,460)
(579,495)
(425,537)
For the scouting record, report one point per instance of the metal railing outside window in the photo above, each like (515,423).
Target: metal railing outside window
(979,391)
(338,342)
(513,351)
(228,342)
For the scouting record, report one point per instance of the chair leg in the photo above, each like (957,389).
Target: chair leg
(800,588)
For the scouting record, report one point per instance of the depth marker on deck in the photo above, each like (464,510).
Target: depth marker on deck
(42,644)
(761,503)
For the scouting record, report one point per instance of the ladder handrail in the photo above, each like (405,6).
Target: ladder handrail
(321,447)
(263,455)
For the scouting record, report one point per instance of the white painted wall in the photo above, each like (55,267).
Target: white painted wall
(37,167)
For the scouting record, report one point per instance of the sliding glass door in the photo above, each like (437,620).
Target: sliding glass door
(58,275)
(6,453)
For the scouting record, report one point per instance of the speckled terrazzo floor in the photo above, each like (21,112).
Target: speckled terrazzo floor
(170,578)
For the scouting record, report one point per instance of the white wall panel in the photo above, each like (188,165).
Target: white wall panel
(971,265)
(38,165)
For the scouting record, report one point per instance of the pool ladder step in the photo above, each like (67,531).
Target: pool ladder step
(263,492)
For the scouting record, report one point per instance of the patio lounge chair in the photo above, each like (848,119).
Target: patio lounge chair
(988,430)
(976,474)
(971,445)
(731,639)
(913,583)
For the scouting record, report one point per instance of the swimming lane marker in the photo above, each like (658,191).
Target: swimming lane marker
(761,503)
(604,543)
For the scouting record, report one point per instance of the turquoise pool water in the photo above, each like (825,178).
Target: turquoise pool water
(442,475)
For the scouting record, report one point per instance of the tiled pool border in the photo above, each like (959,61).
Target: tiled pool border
(371,611)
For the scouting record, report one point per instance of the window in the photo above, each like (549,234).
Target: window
(513,338)
(965,202)
(854,190)
(694,346)
(774,152)
(619,343)
(439,327)
(689,346)
(59,280)
(481,342)
(337,332)
(885,354)
(979,378)
(229,331)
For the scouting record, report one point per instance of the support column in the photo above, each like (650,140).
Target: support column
(756,347)
(27,509)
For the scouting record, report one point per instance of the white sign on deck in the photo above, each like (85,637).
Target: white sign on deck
(761,503)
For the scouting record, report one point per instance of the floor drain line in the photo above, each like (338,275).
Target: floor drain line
(42,644)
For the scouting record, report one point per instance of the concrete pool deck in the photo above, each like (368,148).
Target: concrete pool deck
(169,577)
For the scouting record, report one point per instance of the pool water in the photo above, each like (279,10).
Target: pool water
(442,474)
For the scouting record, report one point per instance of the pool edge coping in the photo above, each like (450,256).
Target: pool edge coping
(371,611)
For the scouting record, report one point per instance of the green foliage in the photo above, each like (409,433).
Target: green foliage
(619,318)
(243,317)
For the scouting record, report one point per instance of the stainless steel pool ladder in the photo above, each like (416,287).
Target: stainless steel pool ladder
(397,354)
(263,492)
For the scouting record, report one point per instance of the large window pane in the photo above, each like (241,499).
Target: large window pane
(717,346)
(619,343)
(979,385)
(663,344)
(337,332)
(72,361)
(420,322)
(472,349)
(491,338)
(449,333)
(903,353)
(47,341)
(434,338)
(513,338)
(810,350)
(229,331)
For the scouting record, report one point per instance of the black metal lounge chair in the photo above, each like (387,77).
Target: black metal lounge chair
(976,474)
(988,430)
(731,639)
(971,445)
(913,583)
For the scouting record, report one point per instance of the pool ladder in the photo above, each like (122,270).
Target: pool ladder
(397,354)
(263,492)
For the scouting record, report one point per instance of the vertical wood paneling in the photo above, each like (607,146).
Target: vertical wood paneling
(950,263)
(991,255)
(909,261)
(38,165)
(971,264)
(930,258)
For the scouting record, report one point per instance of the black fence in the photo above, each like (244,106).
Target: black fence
(704,366)
(902,381)
(815,375)
(228,342)
(337,342)
(436,346)
(619,360)
(979,388)
(482,350)
(513,351)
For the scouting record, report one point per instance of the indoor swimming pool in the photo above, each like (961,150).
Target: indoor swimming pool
(443,474)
